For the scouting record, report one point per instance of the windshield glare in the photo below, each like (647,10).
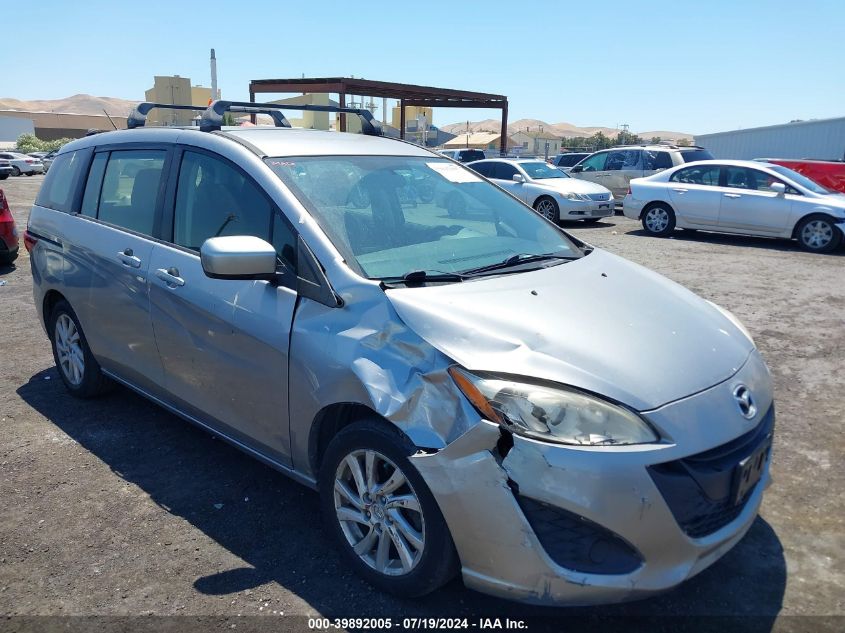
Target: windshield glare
(800,179)
(392,215)
(541,171)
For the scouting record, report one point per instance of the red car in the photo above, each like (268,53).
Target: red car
(8,233)
(827,173)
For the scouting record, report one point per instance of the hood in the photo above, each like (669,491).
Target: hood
(600,323)
(571,185)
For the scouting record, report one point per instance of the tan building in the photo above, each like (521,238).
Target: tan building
(412,116)
(477,140)
(533,142)
(50,126)
(175,90)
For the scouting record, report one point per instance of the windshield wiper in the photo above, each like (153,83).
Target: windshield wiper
(519,259)
(416,277)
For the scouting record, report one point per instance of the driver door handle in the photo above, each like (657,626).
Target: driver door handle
(170,276)
(680,190)
(733,195)
(127,258)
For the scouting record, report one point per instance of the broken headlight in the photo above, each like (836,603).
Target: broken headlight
(554,414)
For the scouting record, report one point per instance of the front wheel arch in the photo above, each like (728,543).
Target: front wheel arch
(838,232)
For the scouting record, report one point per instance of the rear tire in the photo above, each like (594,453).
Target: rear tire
(659,219)
(16,170)
(818,234)
(78,368)
(404,543)
(8,258)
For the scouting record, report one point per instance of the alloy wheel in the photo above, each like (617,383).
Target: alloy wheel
(817,234)
(379,512)
(69,350)
(546,208)
(657,219)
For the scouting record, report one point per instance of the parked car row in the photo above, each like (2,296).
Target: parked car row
(22,164)
(735,196)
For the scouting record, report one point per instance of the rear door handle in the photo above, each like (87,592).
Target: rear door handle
(127,258)
(170,276)
(733,195)
(680,190)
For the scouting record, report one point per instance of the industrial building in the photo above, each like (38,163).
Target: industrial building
(822,139)
(175,90)
(50,126)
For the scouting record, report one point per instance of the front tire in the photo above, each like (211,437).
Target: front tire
(818,234)
(659,220)
(548,208)
(78,368)
(384,518)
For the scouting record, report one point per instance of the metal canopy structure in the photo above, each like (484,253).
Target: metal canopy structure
(407,94)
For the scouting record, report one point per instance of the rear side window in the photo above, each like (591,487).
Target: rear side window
(59,184)
(692,155)
(622,160)
(595,162)
(704,175)
(127,193)
(657,160)
(485,169)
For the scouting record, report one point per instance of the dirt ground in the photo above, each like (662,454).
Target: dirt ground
(114,507)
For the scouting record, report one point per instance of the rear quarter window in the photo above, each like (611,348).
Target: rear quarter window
(59,185)
(692,155)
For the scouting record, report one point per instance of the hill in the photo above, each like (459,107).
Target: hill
(77,104)
(563,129)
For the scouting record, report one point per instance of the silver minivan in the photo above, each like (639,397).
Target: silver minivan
(614,168)
(486,394)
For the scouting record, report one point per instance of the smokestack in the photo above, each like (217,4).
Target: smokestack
(214,94)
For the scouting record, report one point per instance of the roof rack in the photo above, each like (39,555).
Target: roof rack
(212,117)
(138,117)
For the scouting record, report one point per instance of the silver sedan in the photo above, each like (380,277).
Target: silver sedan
(552,193)
(739,196)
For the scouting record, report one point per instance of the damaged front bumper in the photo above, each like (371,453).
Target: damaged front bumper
(551,524)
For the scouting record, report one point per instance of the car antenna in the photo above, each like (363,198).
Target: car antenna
(109,118)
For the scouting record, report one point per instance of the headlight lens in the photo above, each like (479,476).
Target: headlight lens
(573,196)
(730,316)
(553,414)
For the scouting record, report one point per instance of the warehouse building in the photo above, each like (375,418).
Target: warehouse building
(822,139)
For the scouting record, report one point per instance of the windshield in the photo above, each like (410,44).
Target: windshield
(394,215)
(800,179)
(538,170)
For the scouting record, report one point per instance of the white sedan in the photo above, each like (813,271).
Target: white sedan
(739,196)
(552,193)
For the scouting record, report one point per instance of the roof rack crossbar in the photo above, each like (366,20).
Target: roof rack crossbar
(138,117)
(212,118)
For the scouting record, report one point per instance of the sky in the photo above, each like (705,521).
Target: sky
(683,66)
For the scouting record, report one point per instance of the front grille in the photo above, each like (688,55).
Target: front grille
(599,197)
(698,489)
(577,543)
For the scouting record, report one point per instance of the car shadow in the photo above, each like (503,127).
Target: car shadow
(580,224)
(272,524)
(751,241)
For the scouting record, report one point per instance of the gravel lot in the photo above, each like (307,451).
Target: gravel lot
(115,507)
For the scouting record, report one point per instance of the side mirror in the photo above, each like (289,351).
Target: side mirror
(779,188)
(518,178)
(238,257)
(577,169)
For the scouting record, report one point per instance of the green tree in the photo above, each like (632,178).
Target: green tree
(655,140)
(27,143)
(683,142)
